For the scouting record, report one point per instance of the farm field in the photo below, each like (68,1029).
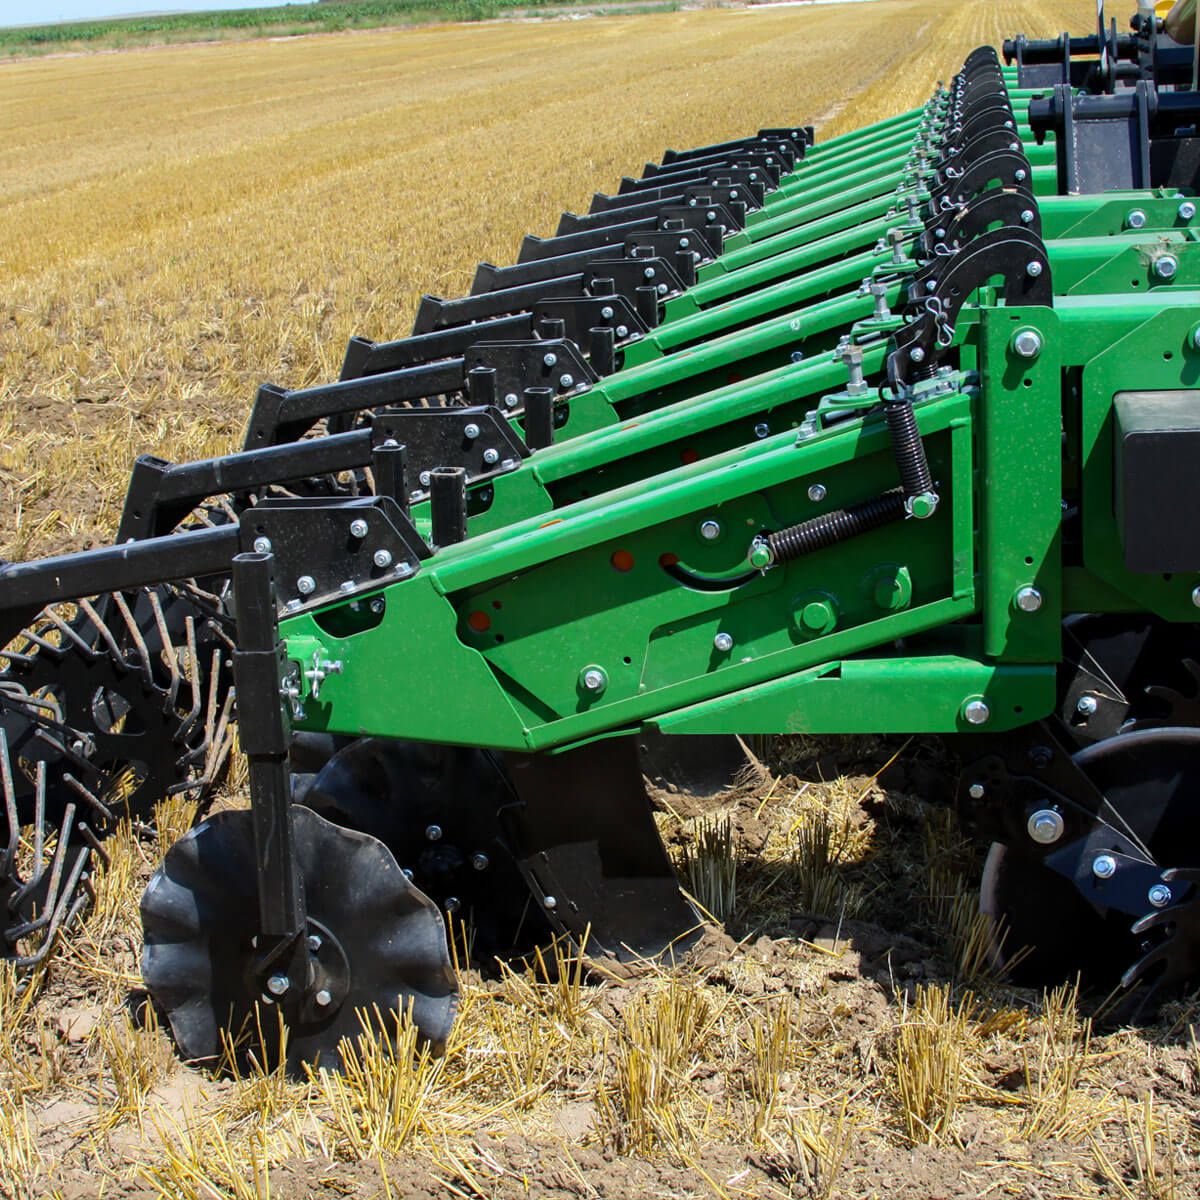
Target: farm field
(181,224)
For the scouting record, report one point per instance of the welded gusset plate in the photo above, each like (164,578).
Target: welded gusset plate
(587,841)
(383,942)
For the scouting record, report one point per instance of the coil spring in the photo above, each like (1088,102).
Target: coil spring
(836,526)
(915,479)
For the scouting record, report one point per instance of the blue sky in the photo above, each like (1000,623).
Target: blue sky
(31,12)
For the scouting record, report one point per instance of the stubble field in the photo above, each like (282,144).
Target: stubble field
(181,224)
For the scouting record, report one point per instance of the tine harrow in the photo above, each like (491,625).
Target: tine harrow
(882,434)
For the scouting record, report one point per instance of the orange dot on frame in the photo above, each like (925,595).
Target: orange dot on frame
(668,559)
(479,621)
(688,456)
(622,560)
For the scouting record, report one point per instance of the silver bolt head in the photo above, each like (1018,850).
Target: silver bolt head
(453,904)
(622,331)
(917,354)
(607,312)
(323,998)
(1135,219)
(491,456)
(1033,269)
(550,902)
(566,381)
(425,478)
(306,585)
(382,558)
(1166,267)
(314,942)
(278,985)
(1027,343)
(1159,895)
(817,492)
(480,861)
(1187,210)
(377,605)
(976,791)
(1027,216)
(433,833)
(511,399)
(471,431)
(1045,826)
(262,545)
(1086,705)
(1196,597)
(358,527)
(549,359)
(710,530)
(593,680)
(976,712)
(648,273)
(723,642)
(1104,866)
(762,429)
(1028,599)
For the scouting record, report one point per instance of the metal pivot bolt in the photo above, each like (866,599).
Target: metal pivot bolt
(1159,895)
(1027,343)
(852,356)
(1166,266)
(480,861)
(491,456)
(549,902)
(879,291)
(976,791)
(976,712)
(1196,597)
(1033,269)
(433,833)
(1045,826)
(723,642)
(549,359)
(306,585)
(1135,219)
(453,904)
(1187,210)
(896,237)
(262,545)
(358,528)
(382,558)
(1104,866)
(324,998)
(471,431)
(762,429)
(817,492)
(710,530)
(1086,705)
(1028,599)
(278,985)
(593,679)
(314,942)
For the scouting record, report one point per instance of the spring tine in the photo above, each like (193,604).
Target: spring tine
(61,916)
(56,868)
(9,856)
(135,633)
(39,815)
(100,807)
(94,844)
(103,629)
(169,652)
(185,726)
(65,629)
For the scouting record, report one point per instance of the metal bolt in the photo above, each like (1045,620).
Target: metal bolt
(425,478)
(480,861)
(663,289)
(594,679)
(976,712)
(852,356)
(433,833)
(976,791)
(896,236)
(1086,705)
(1033,269)
(622,331)
(566,381)
(323,998)
(491,456)
(278,985)
(817,492)
(723,642)
(1045,826)
(1135,219)
(306,585)
(607,312)
(1027,343)
(1166,267)
(710,530)
(917,354)
(1187,210)
(406,872)
(549,902)
(1028,599)
(648,273)
(358,528)
(453,904)
(510,399)
(314,942)
(762,429)
(550,359)
(1020,175)
(262,545)
(1104,866)
(1196,597)
(382,558)
(471,431)
(377,605)
(879,291)
(1027,215)
(1159,895)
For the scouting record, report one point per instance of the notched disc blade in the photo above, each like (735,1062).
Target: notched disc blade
(200,912)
